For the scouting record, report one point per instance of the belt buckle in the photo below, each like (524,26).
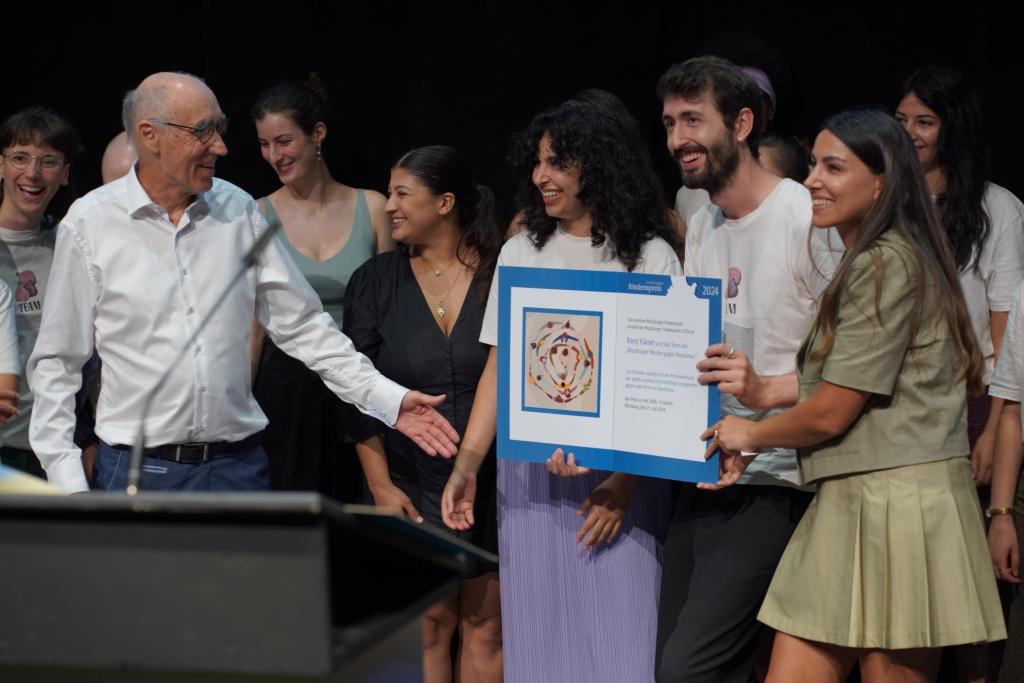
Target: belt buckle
(177,451)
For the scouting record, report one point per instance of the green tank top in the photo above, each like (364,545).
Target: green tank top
(330,277)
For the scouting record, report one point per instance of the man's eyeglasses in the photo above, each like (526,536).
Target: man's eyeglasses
(203,133)
(22,160)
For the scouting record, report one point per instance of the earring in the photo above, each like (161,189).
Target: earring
(319,152)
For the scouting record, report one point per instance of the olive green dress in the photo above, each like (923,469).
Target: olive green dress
(891,553)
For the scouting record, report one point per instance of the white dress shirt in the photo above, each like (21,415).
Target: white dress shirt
(135,286)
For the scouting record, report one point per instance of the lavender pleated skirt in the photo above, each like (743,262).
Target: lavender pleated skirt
(570,614)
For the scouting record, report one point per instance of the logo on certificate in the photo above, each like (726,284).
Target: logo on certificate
(562,361)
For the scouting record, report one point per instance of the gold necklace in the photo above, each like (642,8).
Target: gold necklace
(434,270)
(440,310)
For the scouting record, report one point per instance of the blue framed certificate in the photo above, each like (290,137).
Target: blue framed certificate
(603,364)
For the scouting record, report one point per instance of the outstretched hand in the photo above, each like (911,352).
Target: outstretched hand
(457,500)
(418,420)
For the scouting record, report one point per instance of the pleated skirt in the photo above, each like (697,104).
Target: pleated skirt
(891,559)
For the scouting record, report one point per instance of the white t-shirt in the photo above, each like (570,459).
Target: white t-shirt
(563,250)
(25,260)
(10,364)
(1008,376)
(991,285)
(772,277)
(690,201)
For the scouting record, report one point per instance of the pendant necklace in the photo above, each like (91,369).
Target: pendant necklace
(440,310)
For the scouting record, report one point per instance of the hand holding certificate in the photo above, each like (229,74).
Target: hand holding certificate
(604,364)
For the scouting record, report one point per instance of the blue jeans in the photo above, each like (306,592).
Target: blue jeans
(245,469)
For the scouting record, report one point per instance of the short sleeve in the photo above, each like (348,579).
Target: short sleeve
(659,258)
(361,323)
(1009,373)
(489,326)
(871,338)
(1002,257)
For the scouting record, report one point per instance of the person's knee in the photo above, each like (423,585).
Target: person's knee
(438,627)
(481,631)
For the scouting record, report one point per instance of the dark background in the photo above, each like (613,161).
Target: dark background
(469,74)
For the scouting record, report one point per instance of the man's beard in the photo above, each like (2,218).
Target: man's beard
(720,164)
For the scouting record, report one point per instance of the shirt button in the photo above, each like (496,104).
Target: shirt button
(198,349)
(190,310)
(202,389)
(184,272)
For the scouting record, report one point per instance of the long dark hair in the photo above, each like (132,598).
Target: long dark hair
(963,155)
(617,181)
(442,169)
(903,205)
(40,125)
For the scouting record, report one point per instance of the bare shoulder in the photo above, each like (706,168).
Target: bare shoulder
(375,201)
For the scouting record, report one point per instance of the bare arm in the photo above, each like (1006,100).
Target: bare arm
(375,466)
(1002,536)
(256,339)
(460,491)
(735,375)
(826,414)
(9,385)
(983,451)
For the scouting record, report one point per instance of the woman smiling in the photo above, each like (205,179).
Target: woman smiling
(889,563)
(330,229)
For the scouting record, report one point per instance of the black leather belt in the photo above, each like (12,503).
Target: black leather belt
(194,452)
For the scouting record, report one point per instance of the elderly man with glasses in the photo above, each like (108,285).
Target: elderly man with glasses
(138,265)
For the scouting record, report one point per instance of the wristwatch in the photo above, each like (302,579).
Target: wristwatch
(991,512)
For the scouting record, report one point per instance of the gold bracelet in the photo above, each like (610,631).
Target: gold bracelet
(991,512)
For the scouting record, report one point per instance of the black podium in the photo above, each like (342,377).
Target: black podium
(225,587)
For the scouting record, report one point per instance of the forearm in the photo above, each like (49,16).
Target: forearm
(1008,455)
(256,337)
(374,461)
(780,391)
(483,419)
(10,382)
(995,412)
(825,415)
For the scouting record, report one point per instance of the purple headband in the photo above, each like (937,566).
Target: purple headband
(763,82)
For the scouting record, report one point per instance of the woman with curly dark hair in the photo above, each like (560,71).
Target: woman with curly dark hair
(588,203)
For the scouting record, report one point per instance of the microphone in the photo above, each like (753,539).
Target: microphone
(139,447)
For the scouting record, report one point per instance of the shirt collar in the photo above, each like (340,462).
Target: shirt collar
(138,199)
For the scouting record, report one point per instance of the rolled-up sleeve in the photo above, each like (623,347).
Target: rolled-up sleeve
(1009,372)
(64,344)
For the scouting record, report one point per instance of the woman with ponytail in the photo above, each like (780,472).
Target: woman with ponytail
(329,229)
(416,313)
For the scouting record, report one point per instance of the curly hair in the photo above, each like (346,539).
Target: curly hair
(617,187)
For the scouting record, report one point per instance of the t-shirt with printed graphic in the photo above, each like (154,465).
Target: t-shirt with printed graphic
(774,266)
(25,260)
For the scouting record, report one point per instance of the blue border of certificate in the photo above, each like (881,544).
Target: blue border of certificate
(600,364)
(641,284)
